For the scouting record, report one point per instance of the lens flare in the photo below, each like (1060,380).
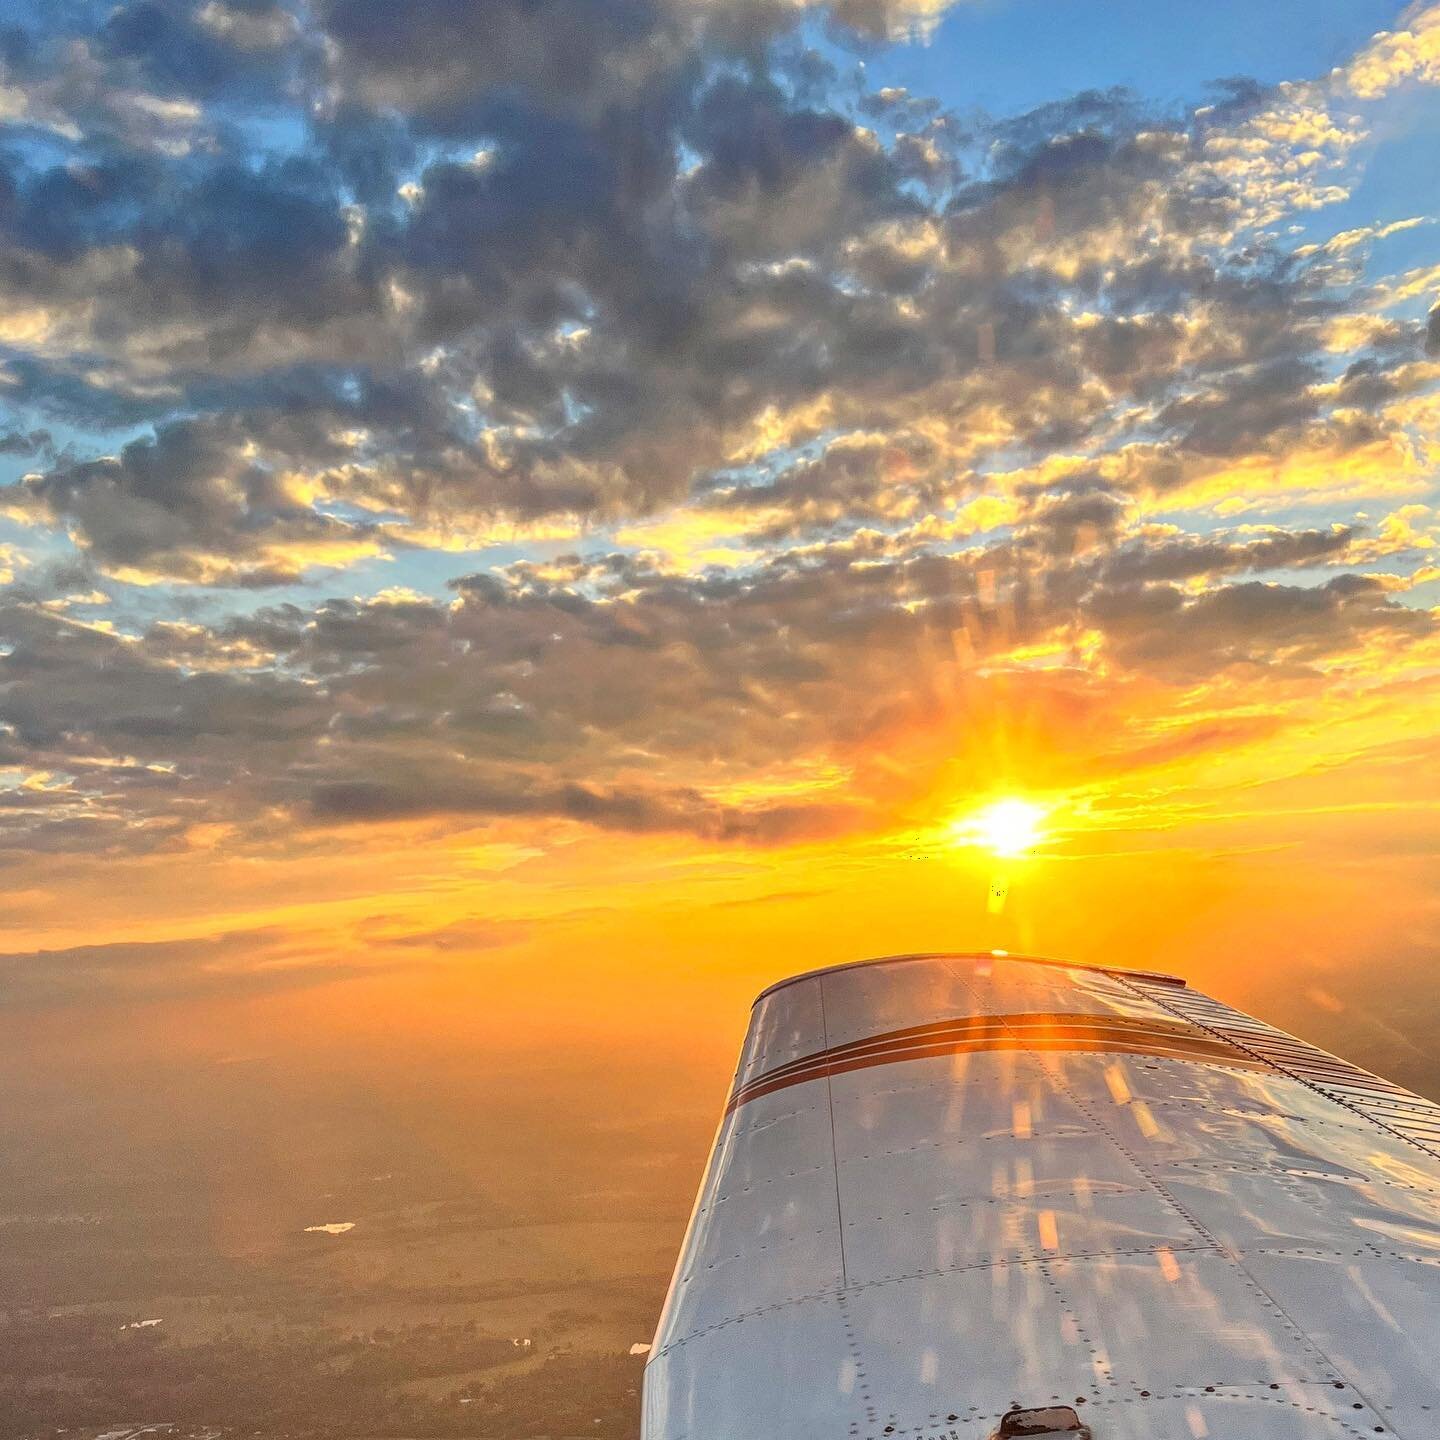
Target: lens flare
(1008,828)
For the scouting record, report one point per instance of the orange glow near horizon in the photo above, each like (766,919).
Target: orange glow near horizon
(986,662)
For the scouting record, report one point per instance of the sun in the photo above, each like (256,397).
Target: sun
(1009,827)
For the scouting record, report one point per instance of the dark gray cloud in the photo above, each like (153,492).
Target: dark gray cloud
(1186,559)
(1076,520)
(1160,630)
(225,50)
(1246,411)
(192,495)
(25,442)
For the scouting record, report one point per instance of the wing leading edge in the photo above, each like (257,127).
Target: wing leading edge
(949,1186)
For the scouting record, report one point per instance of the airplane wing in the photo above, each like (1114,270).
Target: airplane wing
(962,1196)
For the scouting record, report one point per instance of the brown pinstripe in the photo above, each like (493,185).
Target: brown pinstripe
(1118,1034)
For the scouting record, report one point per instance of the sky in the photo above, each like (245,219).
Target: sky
(521,523)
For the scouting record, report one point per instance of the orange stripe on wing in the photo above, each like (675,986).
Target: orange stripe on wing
(1104,1034)
(982,1025)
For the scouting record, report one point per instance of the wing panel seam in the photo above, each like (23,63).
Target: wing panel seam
(834,1148)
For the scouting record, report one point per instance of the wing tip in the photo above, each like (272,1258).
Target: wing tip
(1154,977)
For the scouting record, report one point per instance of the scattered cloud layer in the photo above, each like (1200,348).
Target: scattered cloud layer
(625,417)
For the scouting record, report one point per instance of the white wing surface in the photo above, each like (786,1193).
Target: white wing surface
(948,1188)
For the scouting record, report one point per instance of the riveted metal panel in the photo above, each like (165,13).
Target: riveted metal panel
(952,1184)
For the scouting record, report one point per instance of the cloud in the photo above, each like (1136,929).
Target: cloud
(1162,631)
(1191,558)
(1398,56)
(479,282)
(239,962)
(792,417)
(193,502)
